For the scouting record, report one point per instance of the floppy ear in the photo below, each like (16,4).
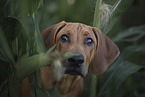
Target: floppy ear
(49,34)
(105,54)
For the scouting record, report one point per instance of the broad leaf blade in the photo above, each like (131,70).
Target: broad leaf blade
(11,27)
(29,25)
(124,70)
(38,37)
(131,35)
(118,72)
(2,57)
(115,76)
(15,35)
(22,7)
(4,87)
(5,48)
(28,12)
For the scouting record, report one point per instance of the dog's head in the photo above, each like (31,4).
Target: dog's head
(89,42)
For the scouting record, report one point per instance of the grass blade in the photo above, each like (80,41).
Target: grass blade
(96,23)
(5,48)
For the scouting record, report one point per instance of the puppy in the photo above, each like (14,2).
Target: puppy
(91,45)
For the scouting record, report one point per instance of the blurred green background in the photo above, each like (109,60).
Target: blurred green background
(125,77)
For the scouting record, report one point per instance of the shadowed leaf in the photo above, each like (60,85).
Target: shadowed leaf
(54,92)
(131,34)
(5,48)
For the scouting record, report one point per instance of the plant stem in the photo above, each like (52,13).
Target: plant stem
(14,88)
(12,2)
(96,23)
(27,65)
(93,85)
(38,78)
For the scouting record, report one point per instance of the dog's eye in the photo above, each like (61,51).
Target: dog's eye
(64,38)
(89,41)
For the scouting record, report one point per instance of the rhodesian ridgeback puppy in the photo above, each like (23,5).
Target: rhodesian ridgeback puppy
(91,45)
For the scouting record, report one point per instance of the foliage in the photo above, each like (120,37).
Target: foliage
(20,39)
(22,47)
(108,14)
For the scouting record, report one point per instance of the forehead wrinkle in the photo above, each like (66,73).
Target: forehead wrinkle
(86,33)
(79,28)
(68,32)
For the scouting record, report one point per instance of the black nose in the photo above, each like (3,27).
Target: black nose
(76,60)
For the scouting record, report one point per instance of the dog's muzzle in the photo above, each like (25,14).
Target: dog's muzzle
(76,66)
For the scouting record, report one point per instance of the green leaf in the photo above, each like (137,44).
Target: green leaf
(22,7)
(5,48)
(29,25)
(120,6)
(21,43)
(11,27)
(128,51)
(50,49)
(123,71)
(117,73)
(2,57)
(38,38)
(42,93)
(69,55)
(28,12)
(15,35)
(115,76)
(4,89)
(131,35)
(38,12)
(14,89)
(54,92)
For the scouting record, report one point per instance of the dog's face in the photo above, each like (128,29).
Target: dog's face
(77,38)
(89,42)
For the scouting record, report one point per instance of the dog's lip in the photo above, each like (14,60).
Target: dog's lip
(74,71)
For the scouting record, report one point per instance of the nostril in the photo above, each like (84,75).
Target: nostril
(71,60)
(78,60)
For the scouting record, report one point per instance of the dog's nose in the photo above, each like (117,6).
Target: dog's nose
(76,60)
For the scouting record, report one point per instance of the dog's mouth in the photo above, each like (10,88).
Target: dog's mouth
(72,70)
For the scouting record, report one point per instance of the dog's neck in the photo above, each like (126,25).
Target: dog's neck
(67,83)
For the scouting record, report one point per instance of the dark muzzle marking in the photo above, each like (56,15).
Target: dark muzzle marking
(76,65)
